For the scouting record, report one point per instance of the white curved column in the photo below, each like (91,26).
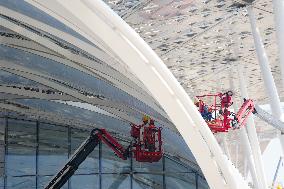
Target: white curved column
(278,8)
(264,67)
(226,146)
(252,135)
(150,69)
(248,155)
(269,83)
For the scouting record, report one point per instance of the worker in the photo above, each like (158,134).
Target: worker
(206,114)
(234,121)
(136,130)
(149,136)
(152,124)
(226,119)
(196,101)
(200,105)
(226,100)
(209,115)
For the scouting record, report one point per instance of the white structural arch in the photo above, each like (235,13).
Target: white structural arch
(101,22)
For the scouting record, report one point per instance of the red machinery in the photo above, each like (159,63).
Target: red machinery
(148,142)
(246,109)
(146,147)
(217,115)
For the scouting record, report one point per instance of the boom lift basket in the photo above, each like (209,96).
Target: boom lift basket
(217,115)
(148,143)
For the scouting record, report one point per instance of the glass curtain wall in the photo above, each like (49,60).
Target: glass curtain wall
(31,152)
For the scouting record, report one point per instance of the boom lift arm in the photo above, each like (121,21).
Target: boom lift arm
(268,118)
(244,112)
(146,147)
(81,154)
(249,107)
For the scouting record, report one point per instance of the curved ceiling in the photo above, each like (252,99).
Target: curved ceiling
(201,39)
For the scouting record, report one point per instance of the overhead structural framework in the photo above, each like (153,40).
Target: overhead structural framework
(252,135)
(246,145)
(278,9)
(103,23)
(268,79)
(264,67)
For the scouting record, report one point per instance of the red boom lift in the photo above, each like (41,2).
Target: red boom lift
(146,147)
(148,142)
(218,117)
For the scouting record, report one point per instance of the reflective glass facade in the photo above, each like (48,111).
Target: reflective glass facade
(55,86)
(33,151)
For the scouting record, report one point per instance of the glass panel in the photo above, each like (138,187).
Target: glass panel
(1,182)
(35,13)
(85,182)
(147,167)
(175,166)
(116,181)
(77,113)
(202,183)
(180,181)
(21,157)
(147,181)
(73,77)
(43,181)
(21,182)
(111,163)
(7,78)
(2,149)
(140,184)
(53,148)
(91,164)
(175,144)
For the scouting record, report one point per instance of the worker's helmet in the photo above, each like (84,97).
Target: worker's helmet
(230,93)
(145,118)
